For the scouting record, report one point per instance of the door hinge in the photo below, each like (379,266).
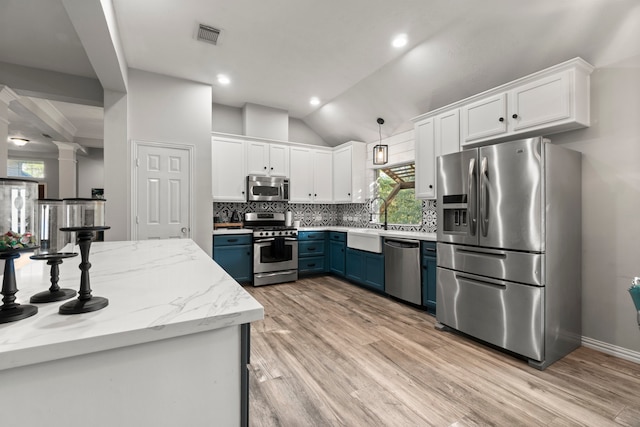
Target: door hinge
(137,220)
(137,162)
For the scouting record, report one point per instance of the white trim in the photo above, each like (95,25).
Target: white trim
(134,181)
(613,350)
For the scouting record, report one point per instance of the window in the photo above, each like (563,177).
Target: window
(25,168)
(396,185)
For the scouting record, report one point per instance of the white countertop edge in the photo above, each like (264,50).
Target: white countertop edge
(382,233)
(56,351)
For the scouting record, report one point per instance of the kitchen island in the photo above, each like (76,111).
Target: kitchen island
(166,351)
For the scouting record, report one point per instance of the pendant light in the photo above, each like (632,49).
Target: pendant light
(380,151)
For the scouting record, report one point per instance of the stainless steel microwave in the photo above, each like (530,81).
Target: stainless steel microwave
(267,189)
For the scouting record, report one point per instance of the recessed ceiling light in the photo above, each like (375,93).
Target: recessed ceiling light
(223,80)
(19,141)
(314,101)
(400,40)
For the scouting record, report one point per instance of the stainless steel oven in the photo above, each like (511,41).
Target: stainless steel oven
(275,248)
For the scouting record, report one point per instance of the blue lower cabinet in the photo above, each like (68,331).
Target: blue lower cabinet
(365,268)
(237,260)
(337,257)
(311,265)
(429,265)
(311,252)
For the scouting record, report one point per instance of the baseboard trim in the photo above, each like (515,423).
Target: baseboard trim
(614,350)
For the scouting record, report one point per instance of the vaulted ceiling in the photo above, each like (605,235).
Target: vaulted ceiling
(280,53)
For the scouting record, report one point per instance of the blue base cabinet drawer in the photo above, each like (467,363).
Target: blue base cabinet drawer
(311,265)
(232,240)
(312,249)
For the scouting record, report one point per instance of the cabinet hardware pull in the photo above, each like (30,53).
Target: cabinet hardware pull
(312,265)
(515,116)
(265,168)
(501,119)
(232,240)
(311,249)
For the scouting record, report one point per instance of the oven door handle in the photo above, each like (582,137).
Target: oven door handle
(271,239)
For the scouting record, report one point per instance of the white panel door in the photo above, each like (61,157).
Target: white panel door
(163,192)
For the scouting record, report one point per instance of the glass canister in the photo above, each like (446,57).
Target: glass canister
(18,217)
(84,213)
(50,219)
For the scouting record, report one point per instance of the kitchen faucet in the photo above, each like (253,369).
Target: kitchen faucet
(384,205)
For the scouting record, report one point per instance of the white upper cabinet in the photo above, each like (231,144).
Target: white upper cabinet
(485,118)
(322,176)
(435,136)
(301,179)
(349,183)
(228,170)
(267,159)
(543,101)
(425,144)
(550,101)
(447,132)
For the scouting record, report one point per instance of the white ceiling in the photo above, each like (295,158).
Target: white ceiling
(279,53)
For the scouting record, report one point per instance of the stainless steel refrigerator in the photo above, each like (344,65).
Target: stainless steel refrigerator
(509,247)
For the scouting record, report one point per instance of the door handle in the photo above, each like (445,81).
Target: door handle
(484,198)
(183,230)
(471,205)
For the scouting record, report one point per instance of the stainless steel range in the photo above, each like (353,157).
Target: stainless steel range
(275,248)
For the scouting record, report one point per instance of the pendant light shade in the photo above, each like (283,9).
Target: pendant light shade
(380,151)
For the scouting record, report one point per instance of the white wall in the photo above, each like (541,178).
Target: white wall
(166,109)
(300,132)
(90,171)
(265,122)
(610,204)
(226,119)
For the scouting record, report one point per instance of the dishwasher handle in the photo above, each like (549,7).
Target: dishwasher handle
(402,243)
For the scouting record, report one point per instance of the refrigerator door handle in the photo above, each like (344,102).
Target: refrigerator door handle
(484,198)
(471,205)
(484,282)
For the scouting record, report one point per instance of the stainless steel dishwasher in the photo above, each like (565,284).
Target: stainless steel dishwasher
(402,269)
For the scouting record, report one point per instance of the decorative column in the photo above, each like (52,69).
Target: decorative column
(6,96)
(67,169)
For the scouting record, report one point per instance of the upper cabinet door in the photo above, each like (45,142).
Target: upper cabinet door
(541,102)
(342,175)
(228,171)
(278,160)
(447,127)
(425,146)
(301,178)
(322,176)
(484,118)
(257,158)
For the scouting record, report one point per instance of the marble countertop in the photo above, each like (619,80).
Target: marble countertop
(157,289)
(383,233)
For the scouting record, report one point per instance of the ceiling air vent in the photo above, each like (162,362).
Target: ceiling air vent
(208,34)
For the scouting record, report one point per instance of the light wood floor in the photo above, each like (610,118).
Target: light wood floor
(329,353)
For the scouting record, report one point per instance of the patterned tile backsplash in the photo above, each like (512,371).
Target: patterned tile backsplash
(315,215)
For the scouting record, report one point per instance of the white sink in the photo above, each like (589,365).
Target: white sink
(365,240)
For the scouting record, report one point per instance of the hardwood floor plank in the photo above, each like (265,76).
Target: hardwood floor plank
(329,353)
